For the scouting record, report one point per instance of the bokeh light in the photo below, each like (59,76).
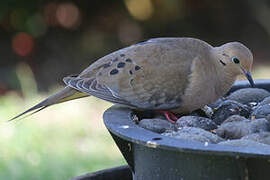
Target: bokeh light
(49,13)
(22,44)
(18,18)
(36,26)
(140,9)
(92,41)
(68,15)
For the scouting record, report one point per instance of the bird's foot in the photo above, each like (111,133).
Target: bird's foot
(171,117)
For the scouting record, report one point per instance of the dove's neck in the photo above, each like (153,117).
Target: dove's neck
(225,81)
(224,76)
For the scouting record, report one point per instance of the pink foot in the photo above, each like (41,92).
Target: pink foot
(171,117)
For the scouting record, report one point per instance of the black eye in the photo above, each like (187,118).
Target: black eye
(235,60)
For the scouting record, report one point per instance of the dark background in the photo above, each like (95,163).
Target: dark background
(59,38)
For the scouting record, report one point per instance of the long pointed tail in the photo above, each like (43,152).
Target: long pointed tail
(64,95)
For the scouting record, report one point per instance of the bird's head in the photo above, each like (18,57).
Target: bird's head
(236,59)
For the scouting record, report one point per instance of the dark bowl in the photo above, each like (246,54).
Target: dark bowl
(152,156)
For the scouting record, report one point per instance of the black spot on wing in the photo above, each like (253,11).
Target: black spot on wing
(137,68)
(106,65)
(128,60)
(223,63)
(113,71)
(121,65)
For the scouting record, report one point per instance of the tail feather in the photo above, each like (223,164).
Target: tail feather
(64,95)
(35,108)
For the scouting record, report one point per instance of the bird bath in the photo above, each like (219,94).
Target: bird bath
(154,156)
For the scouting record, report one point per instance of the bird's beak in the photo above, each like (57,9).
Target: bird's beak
(249,77)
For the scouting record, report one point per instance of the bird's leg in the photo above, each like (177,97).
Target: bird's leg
(171,117)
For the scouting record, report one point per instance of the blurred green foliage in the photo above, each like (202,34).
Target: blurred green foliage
(58,143)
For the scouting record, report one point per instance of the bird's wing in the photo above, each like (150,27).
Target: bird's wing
(149,75)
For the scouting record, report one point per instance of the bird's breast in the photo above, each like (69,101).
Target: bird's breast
(201,89)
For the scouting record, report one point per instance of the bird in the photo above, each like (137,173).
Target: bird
(172,75)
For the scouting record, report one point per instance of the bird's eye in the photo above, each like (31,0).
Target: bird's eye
(235,60)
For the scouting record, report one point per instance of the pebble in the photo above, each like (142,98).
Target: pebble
(195,121)
(194,134)
(234,118)
(262,137)
(249,95)
(238,129)
(265,101)
(156,125)
(261,111)
(268,118)
(228,108)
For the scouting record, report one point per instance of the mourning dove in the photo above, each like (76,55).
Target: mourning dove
(177,75)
